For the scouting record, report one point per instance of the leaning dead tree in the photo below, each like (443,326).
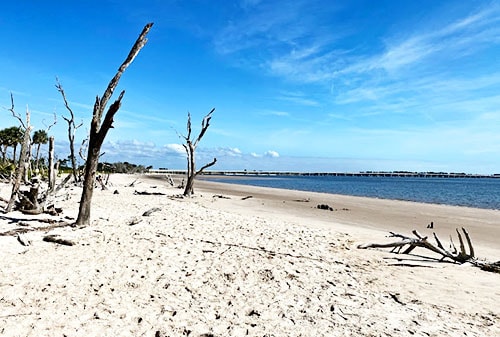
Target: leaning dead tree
(21,167)
(99,130)
(461,255)
(72,127)
(190,147)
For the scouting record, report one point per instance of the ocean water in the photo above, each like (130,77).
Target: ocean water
(471,192)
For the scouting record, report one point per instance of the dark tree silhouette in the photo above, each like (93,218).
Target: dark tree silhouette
(13,136)
(39,137)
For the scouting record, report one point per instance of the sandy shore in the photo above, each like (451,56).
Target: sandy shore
(240,260)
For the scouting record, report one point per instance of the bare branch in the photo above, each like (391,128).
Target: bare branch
(47,128)
(207,166)
(139,43)
(204,126)
(188,137)
(15,114)
(66,104)
(469,242)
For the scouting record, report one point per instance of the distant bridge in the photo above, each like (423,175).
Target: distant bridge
(336,174)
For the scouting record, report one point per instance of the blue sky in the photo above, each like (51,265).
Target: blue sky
(297,85)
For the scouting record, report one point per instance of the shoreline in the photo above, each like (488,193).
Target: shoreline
(382,215)
(420,199)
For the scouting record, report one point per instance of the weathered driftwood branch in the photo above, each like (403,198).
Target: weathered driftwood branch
(57,239)
(458,256)
(52,224)
(151,211)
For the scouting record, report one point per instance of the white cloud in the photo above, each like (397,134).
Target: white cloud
(272,154)
(174,149)
(224,151)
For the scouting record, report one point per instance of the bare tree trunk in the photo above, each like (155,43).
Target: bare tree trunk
(52,173)
(73,158)
(22,157)
(37,155)
(189,188)
(190,148)
(98,131)
(72,127)
(14,153)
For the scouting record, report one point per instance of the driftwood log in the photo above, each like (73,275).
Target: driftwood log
(57,239)
(461,255)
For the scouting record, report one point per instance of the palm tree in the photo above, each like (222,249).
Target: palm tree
(39,137)
(11,137)
(3,143)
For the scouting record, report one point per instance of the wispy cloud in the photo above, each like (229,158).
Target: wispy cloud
(275,113)
(298,98)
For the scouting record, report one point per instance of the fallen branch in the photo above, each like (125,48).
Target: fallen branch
(57,239)
(148,193)
(54,224)
(457,256)
(151,211)
(220,196)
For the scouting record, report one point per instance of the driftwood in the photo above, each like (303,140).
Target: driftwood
(148,193)
(325,207)
(132,184)
(23,240)
(57,239)
(151,211)
(28,201)
(25,229)
(220,196)
(461,255)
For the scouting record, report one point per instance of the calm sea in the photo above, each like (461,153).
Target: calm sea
(471,192)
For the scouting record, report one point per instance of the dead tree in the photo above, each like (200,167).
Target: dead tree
(51,149)
(72,127)
(190,148)
(21,167)
(99,130)
(52,171)
(453,254)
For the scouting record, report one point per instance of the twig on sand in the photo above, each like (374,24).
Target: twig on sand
(261,249)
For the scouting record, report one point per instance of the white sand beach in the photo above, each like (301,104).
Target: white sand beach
(242,261)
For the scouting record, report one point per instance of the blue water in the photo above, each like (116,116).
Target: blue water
(471,192)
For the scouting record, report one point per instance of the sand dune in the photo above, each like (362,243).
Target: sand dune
(218,265)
